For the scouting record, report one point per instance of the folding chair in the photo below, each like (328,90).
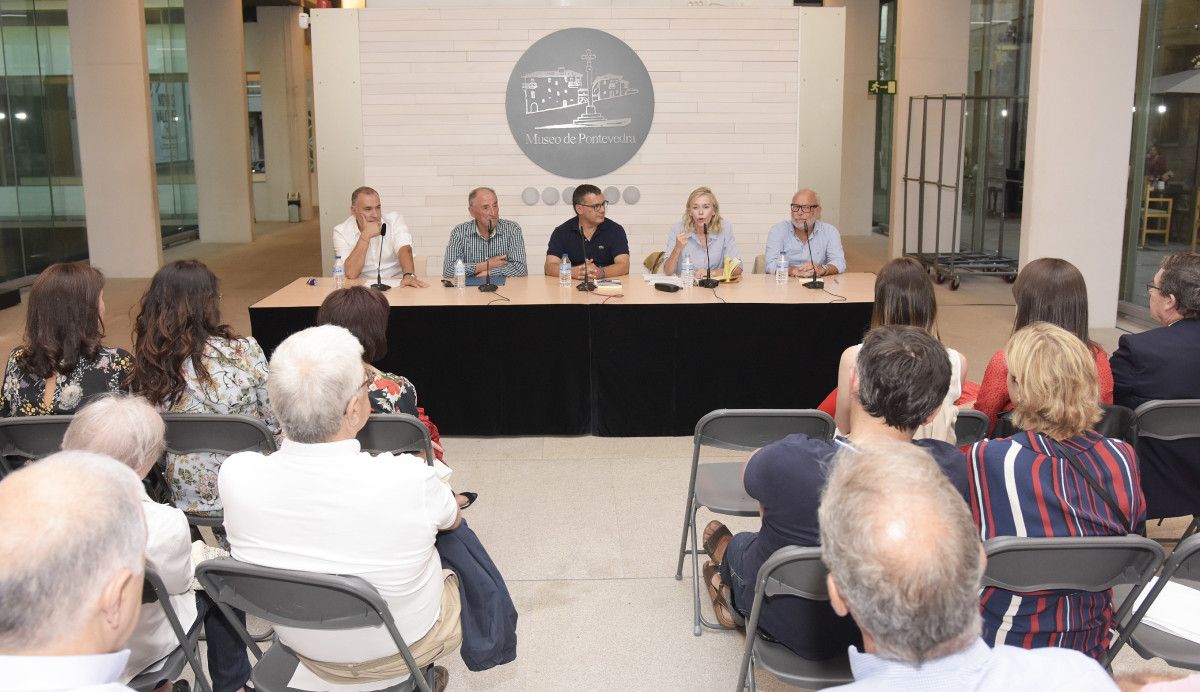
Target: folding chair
(1117,423)
(1150,642)
(28,438)
(299,599)
(970,427)
(186,654)
(224,434)
(798,572)
(1169,420)
(718,486)
(395,433)
(1067,563)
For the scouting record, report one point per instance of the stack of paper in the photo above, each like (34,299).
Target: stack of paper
(1175,611)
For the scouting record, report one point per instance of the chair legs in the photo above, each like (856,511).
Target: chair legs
(698,619)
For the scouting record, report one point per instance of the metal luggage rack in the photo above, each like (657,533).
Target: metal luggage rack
(947,261)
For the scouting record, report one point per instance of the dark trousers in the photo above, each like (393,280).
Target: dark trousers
(228,664)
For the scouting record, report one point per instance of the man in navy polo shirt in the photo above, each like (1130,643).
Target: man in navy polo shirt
(589,236)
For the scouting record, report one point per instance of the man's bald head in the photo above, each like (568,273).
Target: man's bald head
(902,550)
(72,524)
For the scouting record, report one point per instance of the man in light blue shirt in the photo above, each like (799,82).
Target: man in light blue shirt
(905,561)
(806,240)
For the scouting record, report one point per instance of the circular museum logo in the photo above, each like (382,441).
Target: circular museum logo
(580,103)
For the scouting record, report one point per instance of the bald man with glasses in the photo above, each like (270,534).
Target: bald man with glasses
(811,245)
(589,235)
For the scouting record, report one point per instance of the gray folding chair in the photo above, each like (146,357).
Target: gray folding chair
(186,654)
(1183,566)
(395,433)
(27,438)
(798,572)
(718,486)
(1066,563)
(1169,420)
(224,434)
(299,599)
(970,427)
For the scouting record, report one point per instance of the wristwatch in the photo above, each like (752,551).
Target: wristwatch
(408,274)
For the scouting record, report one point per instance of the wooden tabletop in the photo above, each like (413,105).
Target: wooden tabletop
(544,290)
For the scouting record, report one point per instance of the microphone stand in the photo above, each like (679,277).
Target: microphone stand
(586,284)
(379,285)
(487,286)
(815,282)
(707,282)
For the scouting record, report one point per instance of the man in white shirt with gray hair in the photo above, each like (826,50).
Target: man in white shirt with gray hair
(905,561)
(71,572)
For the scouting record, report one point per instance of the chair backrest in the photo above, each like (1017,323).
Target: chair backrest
(970,427)
(1183,563)
(1088,563)
(189,433)
(760,265)
(795,571)
(395,433)
(1117,423)
(32,437)
(299,599)
(654,261)
(746,429)
(1168,419)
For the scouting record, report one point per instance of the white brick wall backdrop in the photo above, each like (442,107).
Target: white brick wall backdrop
(727,115)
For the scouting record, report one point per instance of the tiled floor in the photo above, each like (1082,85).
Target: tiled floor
(585,529)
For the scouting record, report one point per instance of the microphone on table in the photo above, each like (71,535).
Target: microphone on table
(707,282)
(487,286)
(586,284)
(815,282)
(379,285)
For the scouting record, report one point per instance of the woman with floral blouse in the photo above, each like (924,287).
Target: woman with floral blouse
(61,364)
(186,361)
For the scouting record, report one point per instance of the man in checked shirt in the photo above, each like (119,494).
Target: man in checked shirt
(469,240)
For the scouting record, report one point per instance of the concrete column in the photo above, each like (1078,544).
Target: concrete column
(220,125)
(1077,159)
(112,109)
(858,114)
(932,42)
(285,111)
(337,110)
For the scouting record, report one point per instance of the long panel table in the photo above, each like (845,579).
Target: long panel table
(555,361)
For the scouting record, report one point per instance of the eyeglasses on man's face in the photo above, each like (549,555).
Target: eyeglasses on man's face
(599,206)
(805,208)
(1151,286)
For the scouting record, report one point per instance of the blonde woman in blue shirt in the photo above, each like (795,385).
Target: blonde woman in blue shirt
(687,237)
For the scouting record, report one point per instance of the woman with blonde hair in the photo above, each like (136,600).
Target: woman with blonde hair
(688,238)
(1056,478)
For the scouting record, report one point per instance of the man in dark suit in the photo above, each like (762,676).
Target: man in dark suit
(1164,363)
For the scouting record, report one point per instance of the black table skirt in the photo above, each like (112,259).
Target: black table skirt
(611,370)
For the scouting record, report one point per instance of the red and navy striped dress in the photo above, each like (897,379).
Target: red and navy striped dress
(1019,487)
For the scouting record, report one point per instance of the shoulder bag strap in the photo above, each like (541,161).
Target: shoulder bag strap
(1091,480)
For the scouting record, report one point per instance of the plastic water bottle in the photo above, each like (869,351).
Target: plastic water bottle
(564,272)
(687,273)
(339,272)
(781,269)
(460,274)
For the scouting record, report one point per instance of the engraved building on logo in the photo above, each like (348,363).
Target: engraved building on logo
(547,90)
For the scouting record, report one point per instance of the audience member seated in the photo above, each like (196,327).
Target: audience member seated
(899,383)
(320,504)
(61,363)
(70,573)
(129,430)
(1162,364)
(364,312)
(1047,290)
(904,296)
(905,562)
(186,361)
(1057,478)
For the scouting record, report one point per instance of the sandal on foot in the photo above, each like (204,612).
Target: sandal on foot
(471,497)
(716,539)
(721,607)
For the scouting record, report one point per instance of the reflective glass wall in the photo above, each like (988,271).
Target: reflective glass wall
(1164,158)
(170,117)
(41,193)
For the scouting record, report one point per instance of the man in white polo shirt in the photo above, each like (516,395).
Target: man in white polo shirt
(358,241)
(321,504)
